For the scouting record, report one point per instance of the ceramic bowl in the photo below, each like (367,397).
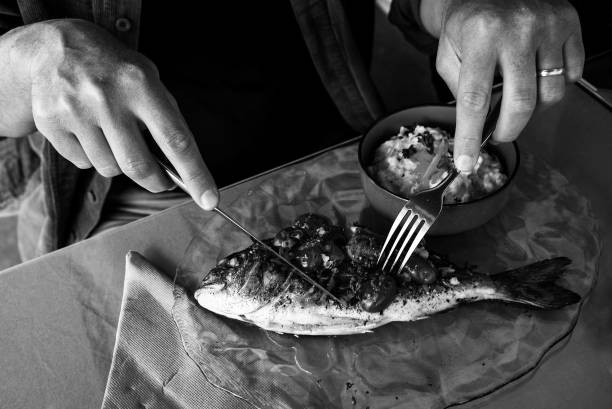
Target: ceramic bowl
(455,217)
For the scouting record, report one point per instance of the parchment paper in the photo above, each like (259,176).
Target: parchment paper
(450,358)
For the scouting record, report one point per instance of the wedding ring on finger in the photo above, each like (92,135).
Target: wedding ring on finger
(551,72)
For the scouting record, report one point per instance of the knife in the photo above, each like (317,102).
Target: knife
(177,179)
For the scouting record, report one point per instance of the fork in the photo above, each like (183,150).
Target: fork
(421,211)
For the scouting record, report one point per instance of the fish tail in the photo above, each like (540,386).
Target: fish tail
(534,284)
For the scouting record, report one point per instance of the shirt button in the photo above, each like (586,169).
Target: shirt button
(92,196)
(123,24)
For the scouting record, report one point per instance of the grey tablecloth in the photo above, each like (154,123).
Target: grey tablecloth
(59,313)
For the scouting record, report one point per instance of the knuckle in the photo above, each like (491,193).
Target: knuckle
(43,112)
(196,178)
(551,21)
(108,171)
(172,100)
(524,18)
(134,73)
(503,137)
(523,101)
(569,15)
(138,169)
(151,67)
(487,22)
(178,141)
(68,105)
(552,96)
(476,100)
(95,90)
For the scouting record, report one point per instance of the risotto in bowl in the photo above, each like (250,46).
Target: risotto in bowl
(411,150)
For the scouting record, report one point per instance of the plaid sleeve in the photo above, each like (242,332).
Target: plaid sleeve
(405,15)
(18,161)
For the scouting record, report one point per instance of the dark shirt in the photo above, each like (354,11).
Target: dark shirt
(244,81)
(63,203)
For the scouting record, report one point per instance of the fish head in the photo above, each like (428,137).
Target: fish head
(242,283)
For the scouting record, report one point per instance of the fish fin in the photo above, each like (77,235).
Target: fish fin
(545,271)
(534,284)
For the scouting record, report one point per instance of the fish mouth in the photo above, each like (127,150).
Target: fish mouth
(216,298)
(212,287)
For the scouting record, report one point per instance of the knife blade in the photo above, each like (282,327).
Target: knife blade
(179,182)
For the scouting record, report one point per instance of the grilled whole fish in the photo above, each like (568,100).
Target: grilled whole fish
(254,286)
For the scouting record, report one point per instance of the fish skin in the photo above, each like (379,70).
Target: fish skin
(236,289)
(294,313)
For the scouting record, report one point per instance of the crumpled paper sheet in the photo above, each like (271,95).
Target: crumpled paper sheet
(450,358)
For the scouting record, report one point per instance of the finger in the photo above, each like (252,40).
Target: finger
(67,145)
(473,96)
(552,88)
(448,64)
(573,56)
(171,133)
(96,148)
(133,156)
(520,94)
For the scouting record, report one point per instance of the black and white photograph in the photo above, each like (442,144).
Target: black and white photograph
(305,204)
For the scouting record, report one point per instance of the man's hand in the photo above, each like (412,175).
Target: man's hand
(90,96)
(519,38)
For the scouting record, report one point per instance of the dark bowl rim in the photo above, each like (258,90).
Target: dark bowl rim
(457,205)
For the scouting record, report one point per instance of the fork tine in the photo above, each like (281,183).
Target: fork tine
(410,221)
(415,243)
(415,229)
(396,222)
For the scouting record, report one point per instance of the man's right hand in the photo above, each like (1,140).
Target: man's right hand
(90,96)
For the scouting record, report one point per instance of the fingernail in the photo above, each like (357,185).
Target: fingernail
(465,163)
(209,199)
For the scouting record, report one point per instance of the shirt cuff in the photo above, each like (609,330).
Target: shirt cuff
(405,15)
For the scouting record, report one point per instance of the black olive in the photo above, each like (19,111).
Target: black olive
(335,235)
(286,238)
(378,293)
(428,276)
(308,256)
(296,233)
(332,256)
(421,271)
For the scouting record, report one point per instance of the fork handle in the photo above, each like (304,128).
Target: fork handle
(490,122)
(448,180)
